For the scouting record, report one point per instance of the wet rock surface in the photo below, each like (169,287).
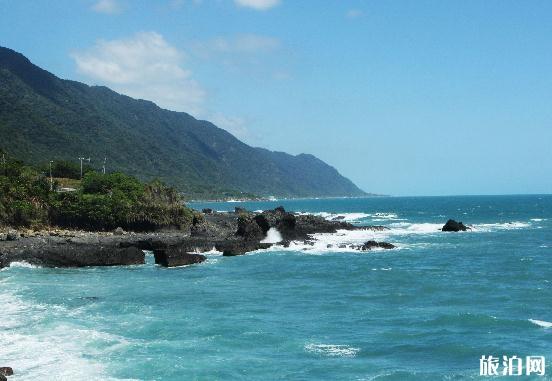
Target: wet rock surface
(176,256)
(454,226)
(232,233)
(370,245)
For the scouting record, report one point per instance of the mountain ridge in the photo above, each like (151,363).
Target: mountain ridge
(43,117)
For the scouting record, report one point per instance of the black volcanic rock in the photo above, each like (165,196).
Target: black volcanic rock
(249,229)
(240,247)
(176,256)
(46,117)
(454,226)
(369,245)
(6,371)
(73,255)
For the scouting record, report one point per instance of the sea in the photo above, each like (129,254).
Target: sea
(437,307)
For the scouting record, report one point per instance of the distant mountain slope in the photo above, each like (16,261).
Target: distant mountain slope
(43,117)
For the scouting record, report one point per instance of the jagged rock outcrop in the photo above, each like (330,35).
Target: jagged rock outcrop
(240,247)
(369,245)
(454,226)
(176,256)
(72,255)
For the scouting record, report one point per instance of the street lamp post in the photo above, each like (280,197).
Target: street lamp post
(51,178)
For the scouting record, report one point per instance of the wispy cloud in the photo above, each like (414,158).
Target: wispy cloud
(354,13)
(241,44)
(143,66)
(107,7)
(236,126)
(259,5)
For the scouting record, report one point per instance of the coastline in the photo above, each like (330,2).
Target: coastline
(231,233)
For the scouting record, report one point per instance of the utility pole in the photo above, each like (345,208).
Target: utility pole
(105,160)
(51,178)
(81,160)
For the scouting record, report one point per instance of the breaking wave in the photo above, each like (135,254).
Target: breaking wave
(332,350)
(541,323)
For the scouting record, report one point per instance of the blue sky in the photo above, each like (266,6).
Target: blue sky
(403,97)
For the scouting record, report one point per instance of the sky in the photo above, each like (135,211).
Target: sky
(402,97)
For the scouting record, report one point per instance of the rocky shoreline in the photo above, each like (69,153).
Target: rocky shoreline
(232,233)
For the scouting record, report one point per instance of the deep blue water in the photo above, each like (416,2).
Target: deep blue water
(427,310)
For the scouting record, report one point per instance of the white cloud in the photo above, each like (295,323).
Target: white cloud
(235,125)
(144,66)
(260,5)
(248,43)
(354,13)
(107,6)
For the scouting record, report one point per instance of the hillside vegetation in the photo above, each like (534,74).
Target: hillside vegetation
(103,202)
(44,118)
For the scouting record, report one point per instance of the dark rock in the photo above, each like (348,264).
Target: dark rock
(288,222)
(262,222)
(249,229)
(6,371)
(280,209)
(75,255)
(240,247)
(3,378)
(207,210)
(453,226)
(239,210)
(176,256)
(369,245)
(119,231)
(12,235)
(375,228)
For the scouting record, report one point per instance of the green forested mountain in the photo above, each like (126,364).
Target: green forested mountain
(43,118)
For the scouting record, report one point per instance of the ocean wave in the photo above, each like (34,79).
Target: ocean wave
(347,217)
(356,217)
(38,350)
(514,225)
(23,264)
(332,350)
(541,323)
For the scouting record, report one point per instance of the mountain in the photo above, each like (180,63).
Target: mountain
(43,117)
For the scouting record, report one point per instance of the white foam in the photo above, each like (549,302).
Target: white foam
(332,350)
(272,236)
(538,219)
(356,217)
(541,323)
(347,217)
(213,251)
(515,225)
(38,349)
(23,264)
(401,228)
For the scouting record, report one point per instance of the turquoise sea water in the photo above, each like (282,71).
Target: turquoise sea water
(427,310)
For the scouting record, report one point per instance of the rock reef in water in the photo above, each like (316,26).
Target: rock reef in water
(369,245)
(454,226)
(5,371)
(176,256)
(234,233)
